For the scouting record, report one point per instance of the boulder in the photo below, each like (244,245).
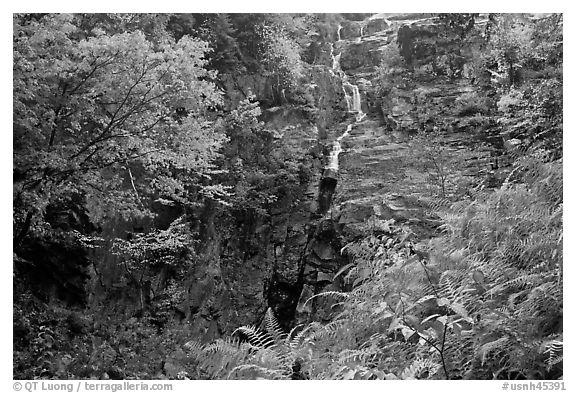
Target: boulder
(323,250)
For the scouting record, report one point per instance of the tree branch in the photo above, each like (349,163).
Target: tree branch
(23,231)
(134,186)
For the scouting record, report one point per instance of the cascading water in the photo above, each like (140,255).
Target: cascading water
(353,101)
(337,149)
(349,102)
(319,235)
(356,99)
(361,33)
(330,177)
(336,62)
(354,104)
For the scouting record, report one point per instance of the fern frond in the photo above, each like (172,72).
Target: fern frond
(329,330)
(486,349)
(521,282)
(264,372)
(554,349)
(273,327)
(256,337)
(227,347)
(420,369)
(343,295)
(194,348)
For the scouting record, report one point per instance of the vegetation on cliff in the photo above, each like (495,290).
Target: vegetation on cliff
(167,171)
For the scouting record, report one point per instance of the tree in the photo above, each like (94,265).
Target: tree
(92,109)
(218,31)
(443,164)
(525,60)
(258,163)
(281,60)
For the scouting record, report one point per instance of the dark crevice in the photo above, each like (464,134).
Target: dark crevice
(325,194)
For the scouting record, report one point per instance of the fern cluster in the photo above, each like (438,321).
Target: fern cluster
(264,352)
(482,301)
(485,303)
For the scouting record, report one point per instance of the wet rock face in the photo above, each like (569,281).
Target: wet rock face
(208,304)
(255,261)
(403,104)
(376,25)
(326,90)
(431,74)
(355,213)
(350,30)
(363,54)
(321,262)
(327,188)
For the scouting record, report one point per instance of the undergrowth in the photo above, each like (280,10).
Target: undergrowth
(483,302)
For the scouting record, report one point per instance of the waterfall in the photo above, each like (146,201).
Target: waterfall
(353,102)
(336,67)
(337,149)
(333,59)
(357,105)
(339,28)
(349,102)
(361,33)
(336,62)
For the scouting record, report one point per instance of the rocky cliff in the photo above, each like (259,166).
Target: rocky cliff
(281,263)
(281,259)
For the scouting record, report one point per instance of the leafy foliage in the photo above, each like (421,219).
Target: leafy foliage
(484,302)
(487,303)
(281,60)
(524,65)
(88,110)
(260,166)
(267,353)
(53,342)
(122,117)
(143,256)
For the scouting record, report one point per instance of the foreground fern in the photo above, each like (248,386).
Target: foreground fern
(485,301)
(267,353)
(485,304)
